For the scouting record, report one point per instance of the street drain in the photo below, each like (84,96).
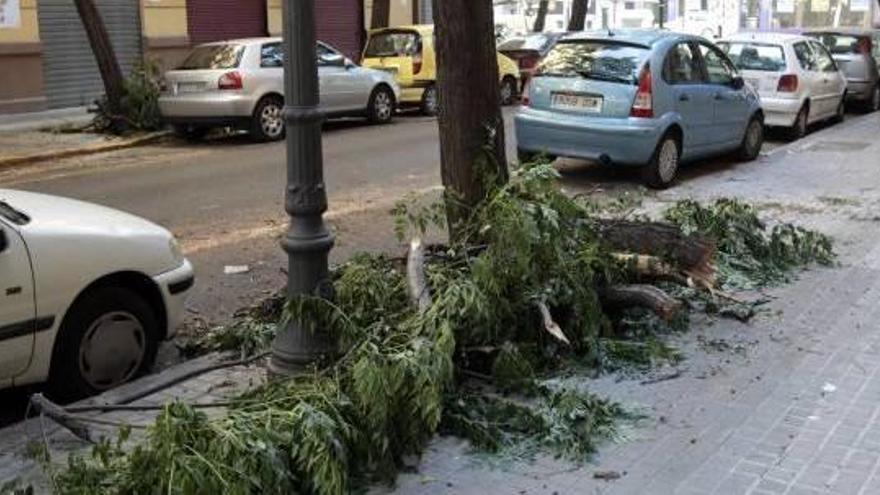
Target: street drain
(837,146)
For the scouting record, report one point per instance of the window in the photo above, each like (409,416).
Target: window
(555,8)
(841,43)
(826,63)
(681,66)
(805,56)
(629,5)
(271,55)
(718,68)
(593,59)
(213,57)
(755,56)
(394,44)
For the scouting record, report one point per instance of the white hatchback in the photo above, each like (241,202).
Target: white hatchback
(86,293)
(798,81)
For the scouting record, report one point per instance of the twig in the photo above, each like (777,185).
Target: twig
(141,407)
(670,376)
(549,325)
(417,285)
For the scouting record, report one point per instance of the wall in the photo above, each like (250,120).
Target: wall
(401,12)
(166,41)
(21,66)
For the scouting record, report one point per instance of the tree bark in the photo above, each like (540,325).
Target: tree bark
(380,15)
(646,296)
(578,15)
(541,18)
(472,153)
(102,48)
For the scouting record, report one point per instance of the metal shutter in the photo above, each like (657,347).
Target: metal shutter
(427,14)
(70,74)
(216,20)
(340,24)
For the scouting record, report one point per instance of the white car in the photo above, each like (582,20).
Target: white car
(86,293)
(798,81)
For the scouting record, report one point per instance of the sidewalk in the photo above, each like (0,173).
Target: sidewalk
(48,119)
(787,404)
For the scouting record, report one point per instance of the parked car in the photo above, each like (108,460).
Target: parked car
(86,293)
(528,51)
(858,55)
(797,80)
(240,83)
(646,98)
(407,52)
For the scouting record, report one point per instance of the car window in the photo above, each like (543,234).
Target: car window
(755,56)
(823,58)
(595,59)
(394,44)
(681,66)
(536,42)
(718,68)
(841,43)
(213,57)
(805,56)
(271,55)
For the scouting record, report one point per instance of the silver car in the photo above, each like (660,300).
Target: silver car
(857,53)
(240,83)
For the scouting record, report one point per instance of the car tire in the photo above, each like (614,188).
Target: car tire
(267,122)
(873,103)
(800,127)
(84,339)
(380,109)
(430,103)
(508,91)
(752,141)
(661,171)
(190,132)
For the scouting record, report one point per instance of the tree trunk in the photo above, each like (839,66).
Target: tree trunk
(578,15)
(471,127)
(646,296)
(541,18)
(381,14)
(102,48)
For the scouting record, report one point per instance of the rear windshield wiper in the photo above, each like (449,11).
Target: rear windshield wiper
(605,77)
(15,216)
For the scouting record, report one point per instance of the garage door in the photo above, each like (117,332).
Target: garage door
(70,73)
(214,20)
(341,24)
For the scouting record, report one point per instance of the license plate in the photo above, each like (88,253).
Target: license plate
(190,87)
(755,83)
(570,101)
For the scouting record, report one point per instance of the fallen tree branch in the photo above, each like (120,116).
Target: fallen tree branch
(549,325)
(644,266)
(646,296)
(57,413)
(417,285)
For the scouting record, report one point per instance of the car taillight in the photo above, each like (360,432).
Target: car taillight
(787,84)
(230,80)
(643,105)
(864,46)
(528,62)
(417,64)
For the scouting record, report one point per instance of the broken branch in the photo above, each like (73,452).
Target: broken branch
(549,325)
(646,296)
(417,284)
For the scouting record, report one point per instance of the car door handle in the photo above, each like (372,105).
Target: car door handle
(684,97)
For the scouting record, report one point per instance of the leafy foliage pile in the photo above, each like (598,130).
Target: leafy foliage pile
(139,108)
(749,254)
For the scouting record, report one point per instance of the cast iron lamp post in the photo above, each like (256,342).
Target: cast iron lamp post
(307,241)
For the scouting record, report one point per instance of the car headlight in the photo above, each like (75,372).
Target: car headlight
(176,252)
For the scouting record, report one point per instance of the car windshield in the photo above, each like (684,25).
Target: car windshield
(213,57)
(595,59)
(15,216)
(393,44)
(755,56)
(840,43)
(537,42)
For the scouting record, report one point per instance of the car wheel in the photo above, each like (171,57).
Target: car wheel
(663,167)
(108,337)
(267,123)
(430,101)
(190,132)
(508,91)
(873,103)
(799,129)
(381,106)
(752,141)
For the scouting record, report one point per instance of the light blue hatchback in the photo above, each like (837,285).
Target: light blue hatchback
(646,98)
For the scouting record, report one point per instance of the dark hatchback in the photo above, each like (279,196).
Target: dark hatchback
(528,51)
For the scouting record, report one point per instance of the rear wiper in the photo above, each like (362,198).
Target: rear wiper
(13,215)
(604,77)
(556,74)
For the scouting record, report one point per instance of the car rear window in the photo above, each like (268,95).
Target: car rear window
(595,59)
(755,56)
(394,44)
(213,57)
(537,42)
(841,43)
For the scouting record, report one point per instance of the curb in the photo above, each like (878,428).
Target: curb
(8,161)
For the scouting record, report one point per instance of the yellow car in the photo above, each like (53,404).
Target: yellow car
(408,53)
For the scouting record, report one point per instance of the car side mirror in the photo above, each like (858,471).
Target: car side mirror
(738,82)
(4,242)
(349,64)
(332,60)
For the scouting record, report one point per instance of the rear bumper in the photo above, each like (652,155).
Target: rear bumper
(859,89)
(625,141)
(411,95)
(174,286)
(780,112)
(213,104)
